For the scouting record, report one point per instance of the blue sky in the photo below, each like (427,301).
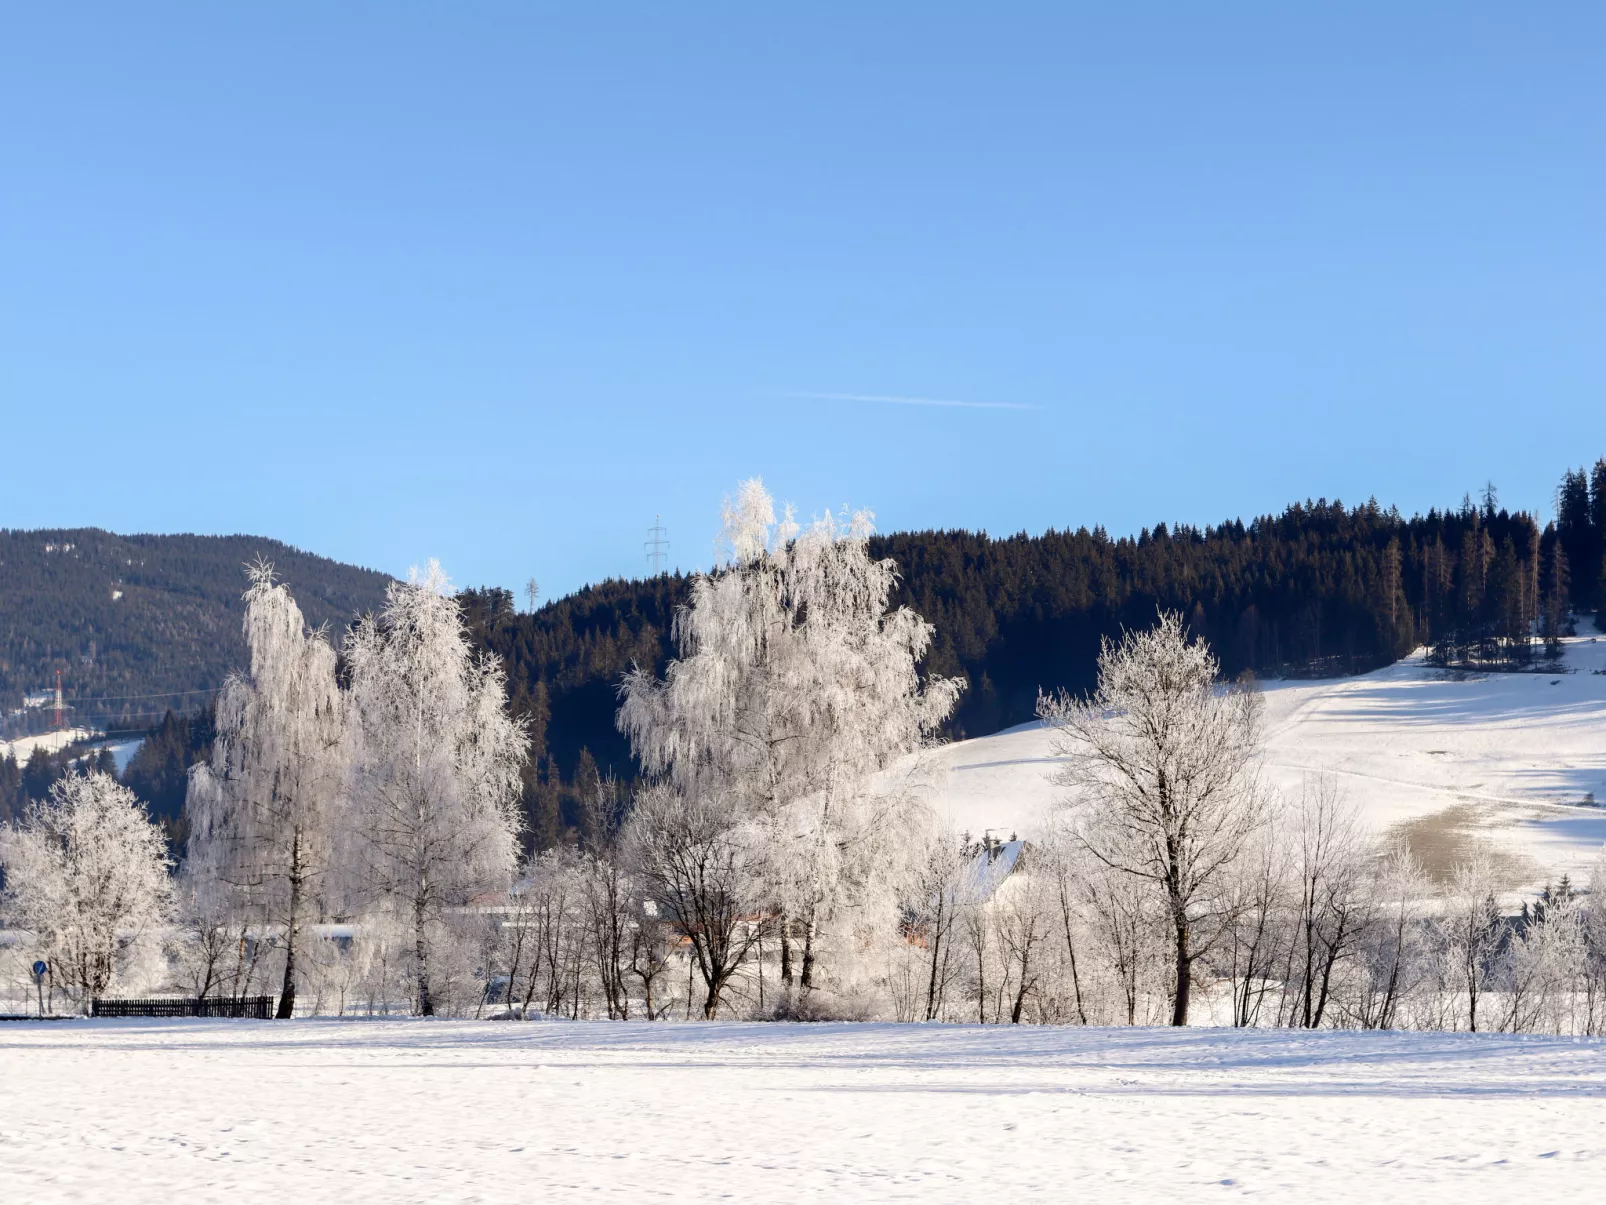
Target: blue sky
(498,284)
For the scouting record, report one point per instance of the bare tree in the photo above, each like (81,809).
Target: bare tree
(208,932)
(932,907)
(1022,929)
(650,941)
(549,913)
(1123,908)
(1256,936)
(1160,763)
(704,871)
(1333,890)
(1060,860)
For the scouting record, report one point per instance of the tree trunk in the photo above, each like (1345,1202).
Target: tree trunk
(1179,1007)
(426,1005)
(1025,984)
(936,954)
(807,978)
(1070,949)
(287,993)
(714,979)
(786,954)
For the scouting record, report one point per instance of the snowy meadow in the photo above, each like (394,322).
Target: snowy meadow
(458,1111)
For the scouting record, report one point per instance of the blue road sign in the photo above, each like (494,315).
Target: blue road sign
(39,969)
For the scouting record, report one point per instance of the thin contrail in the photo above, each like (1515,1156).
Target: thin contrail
(897,400)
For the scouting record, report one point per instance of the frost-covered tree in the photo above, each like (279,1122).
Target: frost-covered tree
(86,873)
(1160,764)
(1472,926)
(1394,942)
(435,763)
(1544,964)
(863,705)
(264,810)
(1335,893)
(724,723)
(796,683)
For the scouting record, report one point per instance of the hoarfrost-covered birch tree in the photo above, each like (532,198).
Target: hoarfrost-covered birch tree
(795,684)
(724,719)
(86,873)
(264,810)
(1392,952)
(1472,926)
(435,765)
(1160,765)
(863,705)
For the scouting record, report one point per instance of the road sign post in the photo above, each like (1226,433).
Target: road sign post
(39,969)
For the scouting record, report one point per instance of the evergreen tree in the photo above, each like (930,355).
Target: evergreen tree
(1578,535)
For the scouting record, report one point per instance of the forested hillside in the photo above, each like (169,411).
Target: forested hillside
(1319,589)
(137,624)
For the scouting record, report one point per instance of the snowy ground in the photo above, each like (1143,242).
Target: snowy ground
(460,1111)
(1437,757)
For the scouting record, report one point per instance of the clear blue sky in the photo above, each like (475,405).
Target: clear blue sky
(499,283)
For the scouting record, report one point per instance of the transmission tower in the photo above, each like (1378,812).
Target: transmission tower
(657,544)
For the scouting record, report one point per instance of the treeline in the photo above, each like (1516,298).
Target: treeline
(1320,589)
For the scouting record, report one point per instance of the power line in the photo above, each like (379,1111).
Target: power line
(167,694)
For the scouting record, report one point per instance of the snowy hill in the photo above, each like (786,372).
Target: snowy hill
(1437,757)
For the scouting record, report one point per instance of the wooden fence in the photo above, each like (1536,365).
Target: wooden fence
(259,1008)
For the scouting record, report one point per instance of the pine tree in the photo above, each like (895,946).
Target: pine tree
(1578,535)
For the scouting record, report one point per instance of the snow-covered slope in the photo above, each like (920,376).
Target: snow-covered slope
(1437,757)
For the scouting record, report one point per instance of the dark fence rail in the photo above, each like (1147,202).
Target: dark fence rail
(259,1008)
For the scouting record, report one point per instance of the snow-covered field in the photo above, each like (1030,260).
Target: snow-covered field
(395,1111)
(1435,756)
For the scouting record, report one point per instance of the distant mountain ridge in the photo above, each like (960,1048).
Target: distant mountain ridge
(138,624)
